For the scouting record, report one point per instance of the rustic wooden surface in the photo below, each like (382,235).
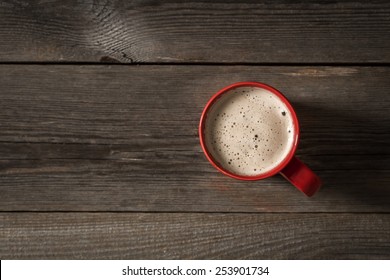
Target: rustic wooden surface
(195,31)
(194,236)
(96,138)
(103,161)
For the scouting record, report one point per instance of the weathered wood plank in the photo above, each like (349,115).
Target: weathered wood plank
(195,31)
(193,236)
(98,138)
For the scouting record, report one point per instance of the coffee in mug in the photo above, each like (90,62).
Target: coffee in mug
(249,131)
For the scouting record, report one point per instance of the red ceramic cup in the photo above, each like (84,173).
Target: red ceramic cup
(290,167)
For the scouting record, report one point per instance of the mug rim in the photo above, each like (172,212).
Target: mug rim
(286,159)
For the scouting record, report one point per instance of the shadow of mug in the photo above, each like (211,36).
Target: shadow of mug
(349,149)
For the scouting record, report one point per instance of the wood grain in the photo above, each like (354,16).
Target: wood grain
(193,236)
(195,31)
(124,138)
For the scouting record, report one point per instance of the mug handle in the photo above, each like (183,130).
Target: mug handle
(301,176)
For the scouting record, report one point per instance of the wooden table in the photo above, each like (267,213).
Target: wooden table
(99,107)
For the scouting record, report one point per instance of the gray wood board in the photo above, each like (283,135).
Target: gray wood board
(195,31)
(124,138)
(194,236)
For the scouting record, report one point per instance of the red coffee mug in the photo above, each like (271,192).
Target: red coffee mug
(290,167)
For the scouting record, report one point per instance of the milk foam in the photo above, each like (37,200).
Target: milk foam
(249,131)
